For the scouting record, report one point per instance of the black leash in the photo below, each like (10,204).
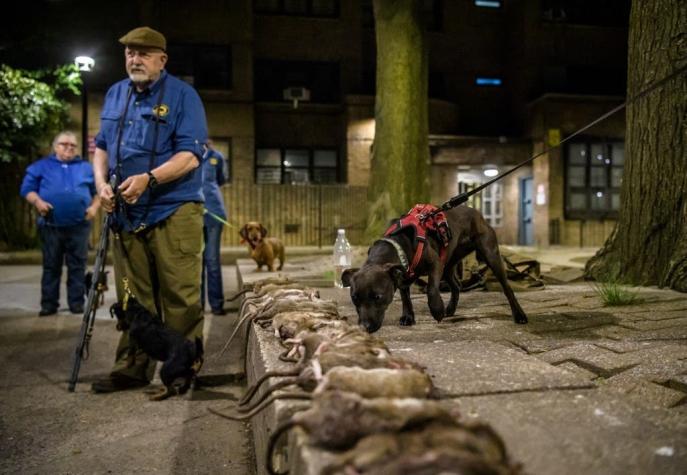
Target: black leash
(463,197)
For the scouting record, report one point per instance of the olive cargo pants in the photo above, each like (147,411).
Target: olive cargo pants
(163,268)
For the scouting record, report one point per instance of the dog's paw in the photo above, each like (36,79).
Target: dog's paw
(407,320)
(161,394)
(520,318)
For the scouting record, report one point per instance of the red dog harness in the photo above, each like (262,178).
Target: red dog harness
(419,221)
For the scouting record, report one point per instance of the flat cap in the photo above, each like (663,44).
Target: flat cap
(144,36)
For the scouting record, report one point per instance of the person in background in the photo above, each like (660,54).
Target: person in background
(152,131)
(213,178)
(62,189)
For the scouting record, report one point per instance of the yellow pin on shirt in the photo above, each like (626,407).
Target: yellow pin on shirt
(161,110)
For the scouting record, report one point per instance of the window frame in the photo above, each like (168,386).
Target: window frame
(311,168)
(609,145)
(196,50)
(468,180)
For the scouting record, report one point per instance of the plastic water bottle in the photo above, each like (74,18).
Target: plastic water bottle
(343,255)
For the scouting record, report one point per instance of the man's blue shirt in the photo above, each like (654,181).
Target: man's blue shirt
(182,127)
(68,186)
(213,178)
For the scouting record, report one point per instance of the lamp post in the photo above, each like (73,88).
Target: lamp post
(84,64)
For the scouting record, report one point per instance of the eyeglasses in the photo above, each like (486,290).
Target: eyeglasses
(66,144)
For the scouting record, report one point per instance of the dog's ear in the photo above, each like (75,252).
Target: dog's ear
(244,233)
(347,275)
(263,231)
(397,273)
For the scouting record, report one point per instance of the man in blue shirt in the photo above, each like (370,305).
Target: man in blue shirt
(152,127)
(213,178)
(62,189)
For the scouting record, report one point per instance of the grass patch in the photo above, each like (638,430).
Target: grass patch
(328,275)
(613,294)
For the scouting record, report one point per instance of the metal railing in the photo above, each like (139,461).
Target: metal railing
(300,215)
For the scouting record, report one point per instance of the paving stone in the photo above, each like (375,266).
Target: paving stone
(580,324)
(644,325)
(628,334)
(578,370)
(574,432)
(651,315)
(470,367)
(646,393)
(626,346)
(534,344)
(598,360)
(607,363)
(678,382)
(652,307)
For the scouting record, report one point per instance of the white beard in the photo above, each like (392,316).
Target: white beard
(140,79)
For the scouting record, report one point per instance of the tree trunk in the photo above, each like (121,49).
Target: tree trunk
(649,243)
(399,175)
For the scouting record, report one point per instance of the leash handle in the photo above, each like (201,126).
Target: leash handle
(463,197)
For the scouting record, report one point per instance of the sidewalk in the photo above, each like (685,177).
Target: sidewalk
(582,388)
(44,429)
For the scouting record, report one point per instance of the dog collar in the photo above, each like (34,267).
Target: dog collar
(401,253)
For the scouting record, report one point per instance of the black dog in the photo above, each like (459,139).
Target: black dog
(374,284)
(182,358)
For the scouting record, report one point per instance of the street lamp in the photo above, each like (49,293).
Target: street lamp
(84,64)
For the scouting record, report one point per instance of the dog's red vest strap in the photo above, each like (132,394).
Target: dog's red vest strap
(419,221)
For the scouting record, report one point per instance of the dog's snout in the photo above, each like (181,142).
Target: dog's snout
(370,327)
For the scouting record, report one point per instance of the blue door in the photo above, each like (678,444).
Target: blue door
(526,231)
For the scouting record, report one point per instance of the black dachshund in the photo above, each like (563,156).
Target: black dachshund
(182,358)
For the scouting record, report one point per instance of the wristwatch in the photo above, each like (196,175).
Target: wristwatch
(152,181)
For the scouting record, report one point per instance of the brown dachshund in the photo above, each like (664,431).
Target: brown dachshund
(263,250)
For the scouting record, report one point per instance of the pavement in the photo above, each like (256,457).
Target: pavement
(582,388)
(46,429)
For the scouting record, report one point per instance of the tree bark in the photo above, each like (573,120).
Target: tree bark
(399,175)
(649,243)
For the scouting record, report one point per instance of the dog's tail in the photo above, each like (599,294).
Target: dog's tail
(198,358)
(199,347)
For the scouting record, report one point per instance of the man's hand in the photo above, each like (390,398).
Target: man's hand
(106,197)
(133,187)
(43,207)
(91,212)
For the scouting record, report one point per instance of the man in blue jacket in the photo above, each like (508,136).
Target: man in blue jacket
(213,178)
(152,131)
(62,189)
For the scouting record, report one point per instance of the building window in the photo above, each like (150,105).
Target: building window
(488,3)
(320,78)
(294,166)
(488,201)
(202,66)
(594,174)
(309,8)
(491,204)
(607,13)
(488,81)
